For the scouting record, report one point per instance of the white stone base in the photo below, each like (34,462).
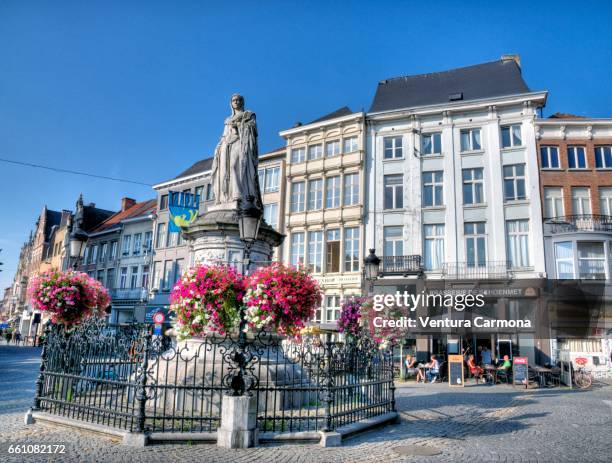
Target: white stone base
(238,428)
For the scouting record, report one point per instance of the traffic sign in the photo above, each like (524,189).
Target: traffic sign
(159,318)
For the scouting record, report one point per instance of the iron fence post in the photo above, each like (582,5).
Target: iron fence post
(141,395)
(40,381)
(328,397)
(392,386)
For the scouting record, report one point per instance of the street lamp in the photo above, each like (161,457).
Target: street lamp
(78,238)
(372,268)
(249,220)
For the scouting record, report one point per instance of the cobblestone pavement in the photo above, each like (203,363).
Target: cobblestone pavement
(477,423)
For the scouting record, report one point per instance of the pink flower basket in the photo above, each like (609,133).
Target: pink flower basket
(281,298)
(69,297)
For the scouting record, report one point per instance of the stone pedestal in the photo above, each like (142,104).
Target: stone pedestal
(215,239)
(238,428)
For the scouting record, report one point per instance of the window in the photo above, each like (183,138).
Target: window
(86,255)
(110,278)
(171,238)
(261,176)
(163,202)
(297,249)
(161,233)
(134,278)
(210,193)
(332,192)
(332,251)
(332,148)
(168,268)
(350,144)
(351,189)
(137,243)
(315,194)
(127,239)
(100,276)
(179,267)
(351,249)
(576,157)
(549,157)
(514,182)
(148,239)
(123,278)
(603,157)
(553,202)
(517,239)
(271,214)
(564,260)
(297,197)
(605,200)
(393,147)
(433,188)
(94,254)
(591,261)
(393,241)
(270,182)
(394,191)
(475,244)
(511,136)
(431,143)
(315,152)
(332,308)
(473,190)
(581,200)
(199,193)
(144,278)
(315,251)
(157,283)
(434,246)
(298,155)
(470,140)
(104,252)
(113,250)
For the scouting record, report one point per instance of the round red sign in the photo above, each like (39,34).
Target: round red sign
(158,318)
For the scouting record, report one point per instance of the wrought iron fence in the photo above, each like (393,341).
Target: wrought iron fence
(580,222)
(128,378)
(402,264)
(476,270)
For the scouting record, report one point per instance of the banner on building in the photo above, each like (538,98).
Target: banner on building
(184,208)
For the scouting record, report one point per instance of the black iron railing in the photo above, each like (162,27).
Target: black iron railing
(583,222)
(128,378)
(402,264)
(476,270)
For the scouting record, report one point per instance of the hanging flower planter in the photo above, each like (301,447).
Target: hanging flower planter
(281,299)
(68,297)
(207,300)
(350,316)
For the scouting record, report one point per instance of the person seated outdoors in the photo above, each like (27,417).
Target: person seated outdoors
(433,369)
(411,370)
(503,370)
(475,370)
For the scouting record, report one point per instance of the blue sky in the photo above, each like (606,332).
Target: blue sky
(139,89)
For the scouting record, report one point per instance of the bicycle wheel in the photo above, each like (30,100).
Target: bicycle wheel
(583,381)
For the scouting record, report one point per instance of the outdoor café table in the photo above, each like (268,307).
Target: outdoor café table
(491,371)
(545,375)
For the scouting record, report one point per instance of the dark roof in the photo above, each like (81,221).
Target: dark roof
(53,218)
(344,111)
(487,80)
(566,116)
(137,210)
(200,166)
(93,216)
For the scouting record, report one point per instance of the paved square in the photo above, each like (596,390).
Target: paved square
(477,423)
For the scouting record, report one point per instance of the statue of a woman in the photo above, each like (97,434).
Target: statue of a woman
(234,169)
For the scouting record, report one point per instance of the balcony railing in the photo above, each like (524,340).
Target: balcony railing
(485,270)
(402,265)
(128,293)
(584,222)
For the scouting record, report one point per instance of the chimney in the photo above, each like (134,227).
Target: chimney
(126,203)
(515,58)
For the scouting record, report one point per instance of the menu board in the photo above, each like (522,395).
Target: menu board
(455,370)
(520,373)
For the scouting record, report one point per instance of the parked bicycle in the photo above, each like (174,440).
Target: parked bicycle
(582,378)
